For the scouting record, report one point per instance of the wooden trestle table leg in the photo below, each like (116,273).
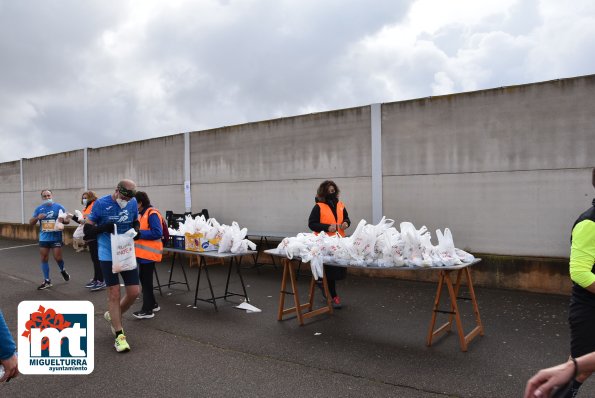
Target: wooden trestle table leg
(454,313)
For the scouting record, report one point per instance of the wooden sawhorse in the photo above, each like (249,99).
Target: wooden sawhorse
(454,313)
(302,310)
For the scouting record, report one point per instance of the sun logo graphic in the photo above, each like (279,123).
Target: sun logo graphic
(56,337)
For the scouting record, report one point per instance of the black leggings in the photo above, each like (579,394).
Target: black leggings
(93,250)
(332,287)
(146,271)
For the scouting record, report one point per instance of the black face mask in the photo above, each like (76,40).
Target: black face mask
(331,197)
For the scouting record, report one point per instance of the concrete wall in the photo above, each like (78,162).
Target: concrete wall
(265,175)
(62,173)
(508,170)
(156,165)
(10,191)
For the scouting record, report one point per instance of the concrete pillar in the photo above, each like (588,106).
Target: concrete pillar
(376,131)
(187,187)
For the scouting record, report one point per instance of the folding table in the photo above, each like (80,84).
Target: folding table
(305,310)
(234,258)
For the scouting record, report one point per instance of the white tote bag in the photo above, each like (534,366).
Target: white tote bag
(123,254)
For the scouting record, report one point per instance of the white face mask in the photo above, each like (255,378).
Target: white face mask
(48,201)
(84,201)
(122,203)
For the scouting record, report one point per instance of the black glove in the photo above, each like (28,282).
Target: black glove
(109,228)
(137,236)
(75,218)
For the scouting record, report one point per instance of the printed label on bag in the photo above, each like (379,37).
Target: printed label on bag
(56,337)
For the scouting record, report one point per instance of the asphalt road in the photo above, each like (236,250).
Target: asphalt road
(375,346)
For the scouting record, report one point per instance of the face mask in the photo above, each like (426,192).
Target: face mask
(84,202)
(122,203)
(331,196)
(48,201)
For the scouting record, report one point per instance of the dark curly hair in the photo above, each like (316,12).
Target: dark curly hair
(323,189)
(143,199)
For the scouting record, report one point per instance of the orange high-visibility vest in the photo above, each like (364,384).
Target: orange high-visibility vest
(149,249)
(87,210)
(327,216)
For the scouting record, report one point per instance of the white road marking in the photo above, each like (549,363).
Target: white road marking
(17,247)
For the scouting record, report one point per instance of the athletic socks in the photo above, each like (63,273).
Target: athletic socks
(61,265)
(45,268)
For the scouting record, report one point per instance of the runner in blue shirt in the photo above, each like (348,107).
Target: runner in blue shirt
(47,216)
(118,209)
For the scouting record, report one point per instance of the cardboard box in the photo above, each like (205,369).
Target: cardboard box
(198,243)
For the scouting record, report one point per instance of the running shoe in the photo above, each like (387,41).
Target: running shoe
(156,308)
(91,284)
(65,275)
(336,302)
(45,285)
(121,344)
(98,286)
(143,314)
(108,318)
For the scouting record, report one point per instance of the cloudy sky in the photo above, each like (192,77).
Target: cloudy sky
(92,73)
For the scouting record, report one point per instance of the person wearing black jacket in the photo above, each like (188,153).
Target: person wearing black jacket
(330,215)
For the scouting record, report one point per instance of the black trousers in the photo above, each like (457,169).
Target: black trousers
(146,271)
(334,274)
(93,250)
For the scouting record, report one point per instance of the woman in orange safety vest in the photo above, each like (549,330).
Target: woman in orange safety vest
(149,248)
(96,283)
(330,215)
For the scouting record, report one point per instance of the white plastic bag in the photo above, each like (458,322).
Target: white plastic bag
(59,226)
(78,232)
(123,254)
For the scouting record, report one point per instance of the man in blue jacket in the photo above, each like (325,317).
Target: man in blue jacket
(8,352)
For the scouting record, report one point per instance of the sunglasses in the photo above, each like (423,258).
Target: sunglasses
(127,193)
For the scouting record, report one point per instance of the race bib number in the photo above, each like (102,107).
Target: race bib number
(48,225)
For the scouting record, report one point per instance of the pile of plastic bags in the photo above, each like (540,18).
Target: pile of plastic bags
(380,245)
(230,238)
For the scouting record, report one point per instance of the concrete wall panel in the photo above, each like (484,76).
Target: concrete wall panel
(276,206)
(59,171)
(538,126)
(154,162)
(166,197)
(334,144)
(10,177)
(520,213)
(10,210)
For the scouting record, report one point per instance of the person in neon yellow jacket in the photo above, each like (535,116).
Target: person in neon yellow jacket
(581,315)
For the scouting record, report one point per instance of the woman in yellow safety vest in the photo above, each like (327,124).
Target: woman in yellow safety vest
(149,248)
(330,215)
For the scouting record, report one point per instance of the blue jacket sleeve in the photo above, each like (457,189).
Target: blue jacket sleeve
(7,344)
(155,232)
